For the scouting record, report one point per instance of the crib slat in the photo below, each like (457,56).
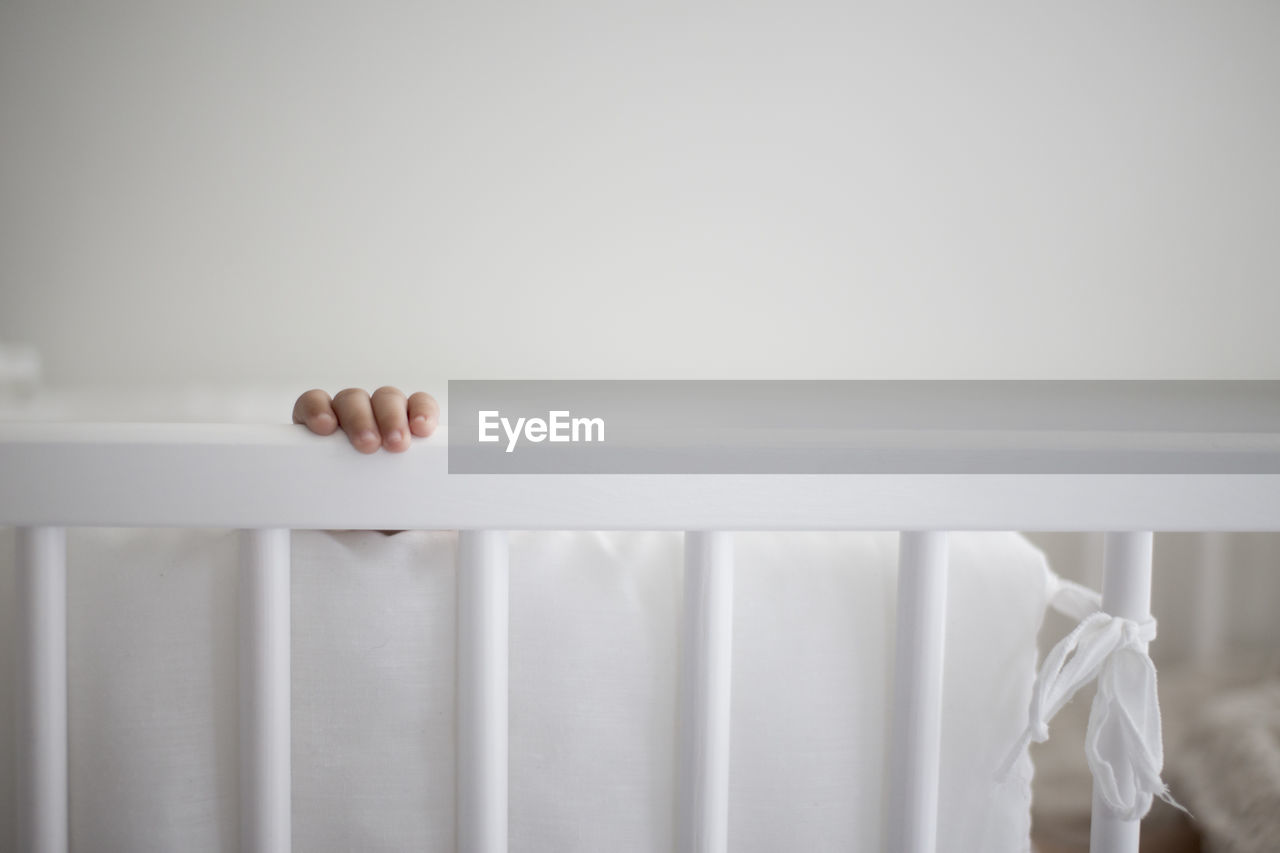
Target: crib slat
(1126,591)
(912,807)
(702,788)
(482,691)
(42,690)
(265,785)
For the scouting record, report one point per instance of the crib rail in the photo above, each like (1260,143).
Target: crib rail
(268,479)
(281,476)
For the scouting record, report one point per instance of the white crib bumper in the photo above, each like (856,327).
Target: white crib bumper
(594,640)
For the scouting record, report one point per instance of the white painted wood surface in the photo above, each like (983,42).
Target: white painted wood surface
(265,685)
(41,696)
(483,654)
(702,783)
(231,475)
(911,811)
(1126,592)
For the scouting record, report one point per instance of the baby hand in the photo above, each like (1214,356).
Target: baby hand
(384,420)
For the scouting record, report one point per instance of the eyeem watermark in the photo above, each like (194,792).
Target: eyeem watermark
(812,426)
(558,426)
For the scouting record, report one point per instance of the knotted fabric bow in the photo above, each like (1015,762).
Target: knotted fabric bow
(1123,742)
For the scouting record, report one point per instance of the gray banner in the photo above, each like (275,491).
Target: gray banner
(853,427)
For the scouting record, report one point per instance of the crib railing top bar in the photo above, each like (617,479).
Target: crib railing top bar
(226,475)
(788,450)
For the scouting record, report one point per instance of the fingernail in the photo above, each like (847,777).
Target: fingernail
(393,436)
(420,419)
(367,436)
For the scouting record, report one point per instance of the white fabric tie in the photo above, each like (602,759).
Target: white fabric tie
(1123,742)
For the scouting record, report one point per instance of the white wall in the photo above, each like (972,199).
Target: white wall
(341,193)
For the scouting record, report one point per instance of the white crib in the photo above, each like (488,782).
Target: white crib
(1214,464)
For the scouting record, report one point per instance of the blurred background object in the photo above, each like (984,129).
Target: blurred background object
(19,371)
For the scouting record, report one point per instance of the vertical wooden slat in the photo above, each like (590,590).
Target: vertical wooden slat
(42,690)
(911,812)
(265,783)
(483,581)
(1126,592)
(702,786)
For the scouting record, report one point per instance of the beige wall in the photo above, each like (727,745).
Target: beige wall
(359,193)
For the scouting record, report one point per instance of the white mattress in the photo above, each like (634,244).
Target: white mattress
(594,641)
